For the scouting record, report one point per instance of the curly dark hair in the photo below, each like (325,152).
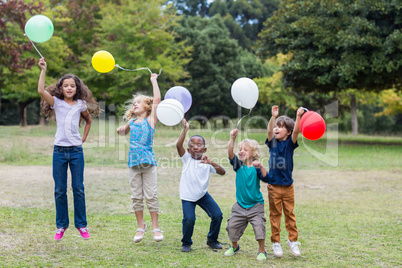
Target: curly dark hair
(82,93)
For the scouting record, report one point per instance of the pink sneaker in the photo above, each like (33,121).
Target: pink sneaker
(59,234)
(84,232)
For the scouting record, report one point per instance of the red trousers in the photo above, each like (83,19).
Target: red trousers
(282,197)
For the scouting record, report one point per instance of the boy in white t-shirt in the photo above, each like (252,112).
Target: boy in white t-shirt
(193,189)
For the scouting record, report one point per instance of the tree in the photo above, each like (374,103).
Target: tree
(137,34)
(337,45)
(391,100)
(246,15)
(243,18)
(271,87)
(12,45)
(216,62)
(192,7)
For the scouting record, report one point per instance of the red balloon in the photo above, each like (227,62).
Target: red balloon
(312,125)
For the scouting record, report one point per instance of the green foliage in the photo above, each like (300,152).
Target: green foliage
(22,86)
(192,7)
(249,15)
(75,23)
(337,44)
(271,88)
(12,41)
(243,18)
(137,34)
(19,76)
(217,61)
(391,100)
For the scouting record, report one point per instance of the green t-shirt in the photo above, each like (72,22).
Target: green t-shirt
(248,192)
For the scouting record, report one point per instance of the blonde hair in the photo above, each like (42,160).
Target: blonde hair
(129,108)
(254,146)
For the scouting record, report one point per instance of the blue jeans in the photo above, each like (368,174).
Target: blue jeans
(62,158)
(208,204)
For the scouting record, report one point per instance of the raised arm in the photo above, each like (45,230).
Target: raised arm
(88,123)
(41,84)
(271,124)
(180,141)
(233,135)
(157,99)
(296,129)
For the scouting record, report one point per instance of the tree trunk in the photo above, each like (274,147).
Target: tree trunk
(202,123)
(41,121)
(22,106)
(353,112)
(225,123)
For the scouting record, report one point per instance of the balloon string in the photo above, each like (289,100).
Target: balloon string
(145,68)
(34,46)
(237,126)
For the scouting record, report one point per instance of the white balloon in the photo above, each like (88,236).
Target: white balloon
(170,112)
(245,92)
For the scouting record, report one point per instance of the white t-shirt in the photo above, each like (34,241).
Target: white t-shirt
(68,120)
(194,178)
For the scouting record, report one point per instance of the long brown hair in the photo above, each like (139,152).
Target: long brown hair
(82,93)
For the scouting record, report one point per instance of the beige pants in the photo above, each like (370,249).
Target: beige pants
(143,185)
(239,219)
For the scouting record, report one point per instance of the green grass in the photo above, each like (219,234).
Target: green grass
(34,145)
(348,214)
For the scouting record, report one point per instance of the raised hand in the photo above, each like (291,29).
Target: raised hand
(275,111)
(185,123)
(154,78)
(42,64)
(300,111)
(233,133)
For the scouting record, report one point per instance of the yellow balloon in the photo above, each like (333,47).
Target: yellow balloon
(103,61)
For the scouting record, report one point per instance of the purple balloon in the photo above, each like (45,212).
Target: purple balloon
(180,94)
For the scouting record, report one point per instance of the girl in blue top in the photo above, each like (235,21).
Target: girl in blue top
(141,159)
(68,100)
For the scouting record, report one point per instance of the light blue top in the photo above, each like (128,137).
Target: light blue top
(141,144)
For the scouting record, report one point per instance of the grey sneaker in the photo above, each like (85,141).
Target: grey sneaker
(186,248)
(214,244)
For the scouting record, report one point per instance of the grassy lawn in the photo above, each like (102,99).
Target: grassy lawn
(348,199)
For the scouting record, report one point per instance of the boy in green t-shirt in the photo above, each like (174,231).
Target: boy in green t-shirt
(249,207)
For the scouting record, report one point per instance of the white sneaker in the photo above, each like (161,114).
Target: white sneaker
(277,250)
(294,248)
